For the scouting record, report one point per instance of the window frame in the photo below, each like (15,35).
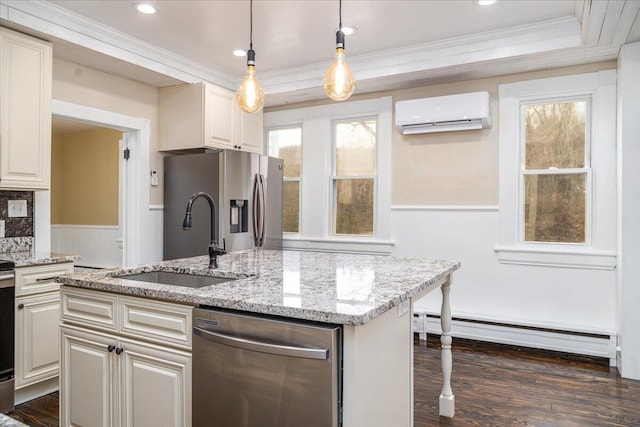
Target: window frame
(315,223)
(284,179)
(587,169)
(599,249)
(333,178)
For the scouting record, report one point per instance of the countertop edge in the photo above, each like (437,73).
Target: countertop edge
(180,295)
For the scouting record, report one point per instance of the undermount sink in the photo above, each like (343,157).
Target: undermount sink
(177,279)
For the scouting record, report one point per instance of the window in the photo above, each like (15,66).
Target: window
(354,175)
(341,197)
(286,144)
(555,171)
(558,171)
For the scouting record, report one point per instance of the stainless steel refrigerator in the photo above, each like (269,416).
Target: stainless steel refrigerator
(247,190)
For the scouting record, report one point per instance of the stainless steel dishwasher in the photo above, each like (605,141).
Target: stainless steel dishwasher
(255,371)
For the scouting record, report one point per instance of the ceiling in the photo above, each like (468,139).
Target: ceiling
(398,43)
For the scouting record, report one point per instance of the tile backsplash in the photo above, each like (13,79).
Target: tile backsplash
(18,231)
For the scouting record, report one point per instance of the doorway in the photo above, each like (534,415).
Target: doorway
(86,192)
(137,223)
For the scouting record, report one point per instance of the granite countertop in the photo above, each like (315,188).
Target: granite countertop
(6,421)
(32,258)
(327,287)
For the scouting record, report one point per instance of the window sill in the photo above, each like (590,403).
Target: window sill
(361,246)
(594,260)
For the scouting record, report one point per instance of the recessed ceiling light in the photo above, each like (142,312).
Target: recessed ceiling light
(484,2)
(145,8)
(348,30)
(239,52)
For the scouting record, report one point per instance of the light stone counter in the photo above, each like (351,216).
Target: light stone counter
(327,287)
(32,258)
(6,421)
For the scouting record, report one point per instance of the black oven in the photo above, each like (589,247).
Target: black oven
(7,332)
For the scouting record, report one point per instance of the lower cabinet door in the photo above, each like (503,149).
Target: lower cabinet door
(36,351)
(156,385)
(88,378)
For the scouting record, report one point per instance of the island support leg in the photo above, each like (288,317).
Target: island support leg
(447,399)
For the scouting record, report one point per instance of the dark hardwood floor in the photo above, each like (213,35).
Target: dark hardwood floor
(494,385)
(500,385)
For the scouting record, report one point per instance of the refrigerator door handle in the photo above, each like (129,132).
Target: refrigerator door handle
(256,210)
(263,209)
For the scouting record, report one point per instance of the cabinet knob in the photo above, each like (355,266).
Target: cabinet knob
(119,350)
(20,306)
(111,347)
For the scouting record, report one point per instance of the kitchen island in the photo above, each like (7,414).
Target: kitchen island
(370,296)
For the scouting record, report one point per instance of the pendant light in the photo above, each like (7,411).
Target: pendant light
(250,96)
(339,82)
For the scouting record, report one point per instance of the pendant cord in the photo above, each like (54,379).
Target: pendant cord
(251,24)
(340,16)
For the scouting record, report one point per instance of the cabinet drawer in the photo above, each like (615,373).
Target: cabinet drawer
(157,321)
(32,280)
(98,309)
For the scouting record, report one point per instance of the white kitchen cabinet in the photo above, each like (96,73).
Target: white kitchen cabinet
(155,385)
(88,391)
(249,130)
(25,111)
(139,355)
(36,338)
(202,115)
(37,306)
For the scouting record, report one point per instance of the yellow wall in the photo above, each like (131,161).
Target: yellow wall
(84,178)
(452,168)
(85,86)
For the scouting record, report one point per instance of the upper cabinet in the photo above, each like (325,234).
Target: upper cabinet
(202,115)
(25,111)
(248,130)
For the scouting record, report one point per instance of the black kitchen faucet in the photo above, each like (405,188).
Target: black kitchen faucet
(214,249)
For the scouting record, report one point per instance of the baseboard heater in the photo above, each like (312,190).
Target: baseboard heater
(587,343)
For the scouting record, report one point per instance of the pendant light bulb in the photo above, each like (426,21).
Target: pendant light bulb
(339,82)
(250,96)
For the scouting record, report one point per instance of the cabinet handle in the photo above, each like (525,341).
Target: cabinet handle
(111,347)
(45,279)
(20,306)
(239,147)
(119,350)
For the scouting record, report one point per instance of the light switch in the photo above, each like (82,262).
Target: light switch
(17,208)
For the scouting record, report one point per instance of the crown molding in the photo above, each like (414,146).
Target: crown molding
(553,43)
(63,24)
(495,45)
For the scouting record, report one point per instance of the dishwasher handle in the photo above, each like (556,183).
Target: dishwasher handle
(247,344)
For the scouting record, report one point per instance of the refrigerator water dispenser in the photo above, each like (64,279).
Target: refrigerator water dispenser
(239,216)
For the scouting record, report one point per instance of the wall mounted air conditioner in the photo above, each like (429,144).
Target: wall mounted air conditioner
(464,111)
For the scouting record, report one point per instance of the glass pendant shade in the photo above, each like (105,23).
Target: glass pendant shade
(250,96)
(339,82)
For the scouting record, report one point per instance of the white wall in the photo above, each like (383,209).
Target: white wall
(629,209)
(572,299)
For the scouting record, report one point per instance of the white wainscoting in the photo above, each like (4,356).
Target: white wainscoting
(550,297)
(99,246)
